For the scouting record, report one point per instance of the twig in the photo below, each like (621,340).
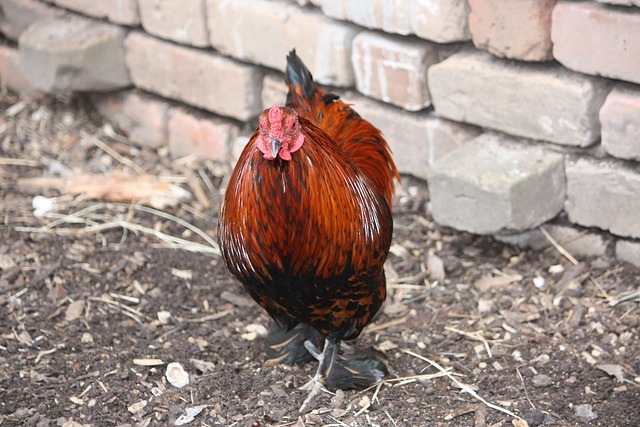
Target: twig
(559,248)
(474,336)
(602,291)
(113,153)
(386,325)
(8,161)
(464,387)
(526,394)
(373,398)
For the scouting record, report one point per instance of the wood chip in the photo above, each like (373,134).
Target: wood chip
(148,362)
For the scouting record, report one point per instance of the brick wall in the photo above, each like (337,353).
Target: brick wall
(515,114)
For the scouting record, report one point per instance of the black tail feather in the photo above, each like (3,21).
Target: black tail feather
(297,75)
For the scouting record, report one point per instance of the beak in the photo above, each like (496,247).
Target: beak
(275,147)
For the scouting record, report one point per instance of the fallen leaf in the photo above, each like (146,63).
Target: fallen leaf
(74,310)
(616,371)
(202,365)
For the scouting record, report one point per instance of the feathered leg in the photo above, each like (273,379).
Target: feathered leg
(288,347)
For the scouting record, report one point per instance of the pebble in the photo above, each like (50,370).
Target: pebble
(541,380)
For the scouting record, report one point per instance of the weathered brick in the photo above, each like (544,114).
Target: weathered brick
(199,78)
(123,12)
(17,15)
(11,74)
(183,21)
(596,39)
(603,194)
(140,116)
(621,2)
(517,29)
(628,251)
(417,140)
(274,90)
(574,240)
(393,69)
(195,132)
(544,102)
(442,21)
(496,184)
(70,54)
(620,121)
(264,31)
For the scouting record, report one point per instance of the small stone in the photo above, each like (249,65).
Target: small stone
(542,380)
(585,412)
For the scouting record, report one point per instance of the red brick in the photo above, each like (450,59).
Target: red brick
(123,12)
(620,120)
(393,69)
(194,132)
(596,39)
(442,21)
(264,31)
(17,15)
(543,102)
(199,78)
(140,116)
(11,75)
(517,29)
(182,21)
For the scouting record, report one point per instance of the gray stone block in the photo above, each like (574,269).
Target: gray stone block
(497,184)
(628,251)
(604,194)
(538,101)
(17,15)
(74,54)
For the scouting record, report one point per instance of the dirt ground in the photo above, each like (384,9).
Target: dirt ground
(95,303)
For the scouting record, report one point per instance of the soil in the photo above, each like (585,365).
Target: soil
(93,307)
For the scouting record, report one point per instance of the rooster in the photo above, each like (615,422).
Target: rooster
(306,226)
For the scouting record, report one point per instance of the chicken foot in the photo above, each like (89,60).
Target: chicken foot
(326,360)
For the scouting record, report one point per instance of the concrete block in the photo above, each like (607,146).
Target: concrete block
(517,29)
(621,2)
(17,15)
(496,184)
(195,132)
(620,121)
(70,54)
(12,75)
(417,140)
(442,21)
(595,39)
(604,194)
(123,12)
(576,241)
(543,102)
(628,251)
(274,90)
(393,69)
(182,21)
(199,78)
(140,116)
(256,32)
